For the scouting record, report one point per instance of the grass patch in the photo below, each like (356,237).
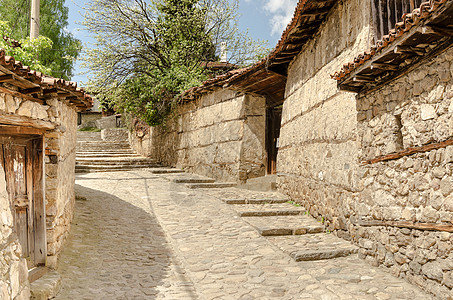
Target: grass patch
(90,129)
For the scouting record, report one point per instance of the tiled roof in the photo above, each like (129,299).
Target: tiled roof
(39,87)
(402,28)
(217,65)
(308,17)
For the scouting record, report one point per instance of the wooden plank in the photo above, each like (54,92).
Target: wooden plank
(21,229)
(2,157)
(391,20)
(16,120)
(19,81)
(49,91)
(9,172)
(398,10)
(39,202)
(386,67)
(19,157)
(441,31)
(20,95)
(362,78)
(29,182)
(36,273)
(376,18)
(382,12)
(349,88)
(30,91)
(409,151)
(20,130)
(408,224)
(7,77)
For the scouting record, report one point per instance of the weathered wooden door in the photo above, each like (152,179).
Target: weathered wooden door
(20,158)
(274,119)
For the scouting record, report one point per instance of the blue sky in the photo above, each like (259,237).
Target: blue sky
(265,20)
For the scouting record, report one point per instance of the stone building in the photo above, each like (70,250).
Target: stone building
(38,120)
(356,99)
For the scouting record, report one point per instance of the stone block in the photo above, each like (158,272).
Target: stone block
(11,103)
(446,186)
(427,112)
(2,102)
(433,270)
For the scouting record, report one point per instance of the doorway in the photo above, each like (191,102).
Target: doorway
(21,157)
(273,123)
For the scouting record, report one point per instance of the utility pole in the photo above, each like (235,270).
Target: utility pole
(34,19)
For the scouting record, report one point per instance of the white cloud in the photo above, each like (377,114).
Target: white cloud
(281,12)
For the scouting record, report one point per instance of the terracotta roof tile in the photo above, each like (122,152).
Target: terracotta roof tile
(298,22)
(409,20)
(45,81)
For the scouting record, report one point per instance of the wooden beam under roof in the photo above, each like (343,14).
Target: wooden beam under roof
(30,91)
(7,78)
(16,120)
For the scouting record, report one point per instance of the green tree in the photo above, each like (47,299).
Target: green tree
(147,52)
(27,53)
(54,19)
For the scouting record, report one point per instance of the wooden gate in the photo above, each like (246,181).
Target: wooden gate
(21,158)
(273,122)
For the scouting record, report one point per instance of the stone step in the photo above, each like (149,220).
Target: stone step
(102,143)
(165,171)
(256,201)
(285,225)
(89,136)
(263,183)
(268,209)
(118,161)
(188,178)
(214,185)
(111,168)
(311,247)
(103,154)
(102,148)
(193,180)
(46,287)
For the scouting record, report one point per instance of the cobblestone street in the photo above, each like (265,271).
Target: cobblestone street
(140,235)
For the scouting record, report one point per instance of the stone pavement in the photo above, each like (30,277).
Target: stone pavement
(139,235)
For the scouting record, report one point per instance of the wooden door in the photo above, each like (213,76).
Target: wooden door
(274,119)
(21,161)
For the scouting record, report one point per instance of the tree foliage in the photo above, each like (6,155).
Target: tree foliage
(65,48)
(147,52)
(28,52)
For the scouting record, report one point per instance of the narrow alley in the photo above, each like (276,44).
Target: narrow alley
(144,234)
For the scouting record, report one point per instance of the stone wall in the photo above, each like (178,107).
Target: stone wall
(412,111)
(89,119)
(317,161)
(60,178)
(59,163)
(13,268)
(327,134)
(115,135)
(220,135)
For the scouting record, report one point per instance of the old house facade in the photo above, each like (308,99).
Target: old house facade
(38,120)
(353,111)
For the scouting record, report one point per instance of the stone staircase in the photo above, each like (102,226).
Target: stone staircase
(97,155)
(290,227)
(193,181)
(284,223)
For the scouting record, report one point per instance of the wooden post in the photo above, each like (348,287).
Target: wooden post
(34,19)
(39,203)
